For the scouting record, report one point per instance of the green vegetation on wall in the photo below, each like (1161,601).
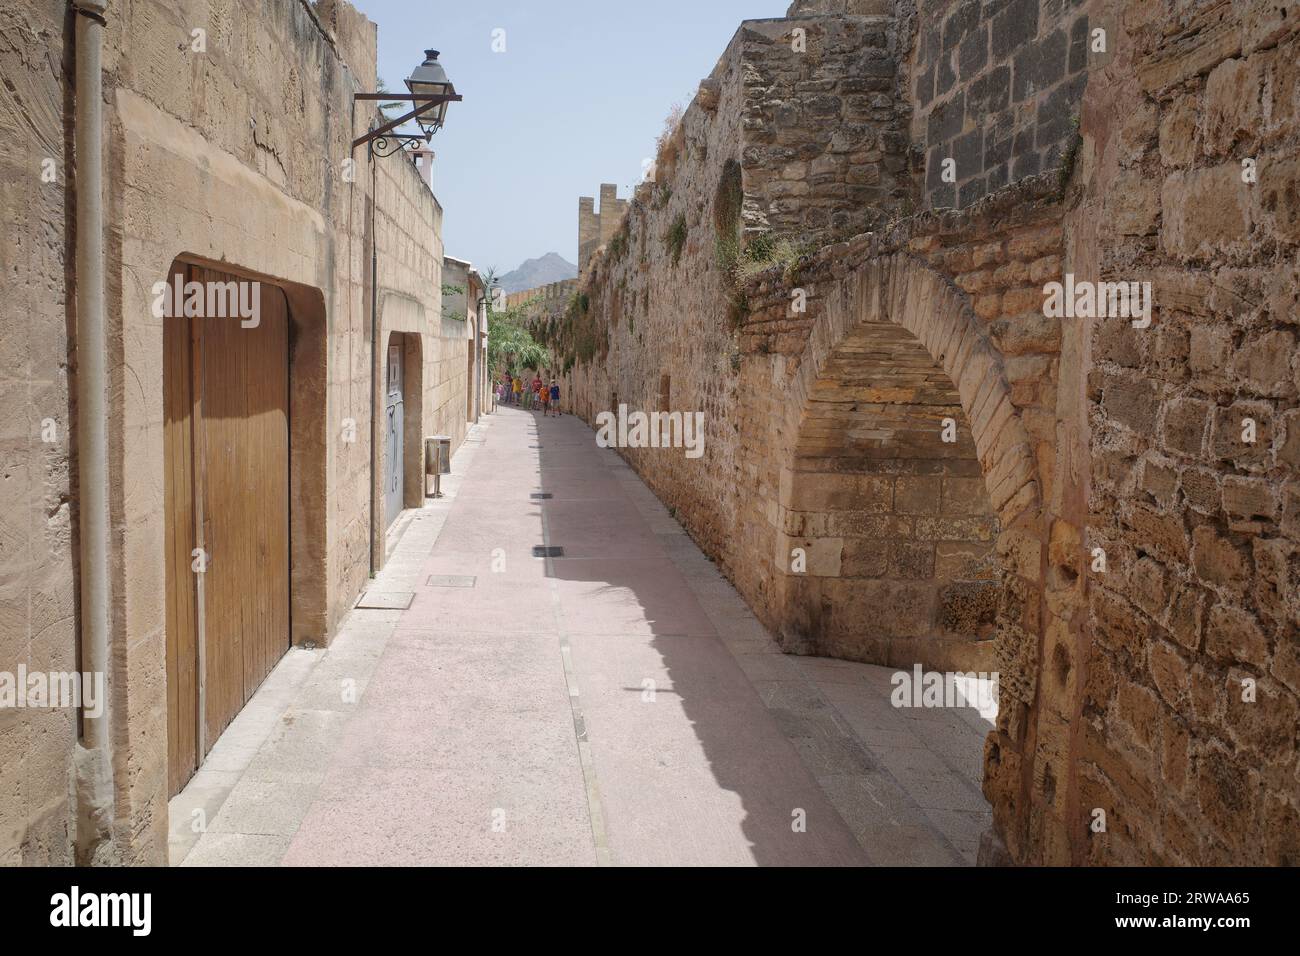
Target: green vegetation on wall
(675,238)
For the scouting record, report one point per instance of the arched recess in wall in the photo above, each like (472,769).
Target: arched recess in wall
(397,466)
(909,540)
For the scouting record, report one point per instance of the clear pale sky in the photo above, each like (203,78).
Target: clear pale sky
(576,99)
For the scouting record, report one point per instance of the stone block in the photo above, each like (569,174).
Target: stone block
(1132,402)
(1250,498)
(1185,426)
(1133,203)
(1265,362)
(917,495)
(1014,27)
(964,560)
(911,560)
(945,120)
(964,496)
(1233,635)
(1242,432)
(967,607)
(818,492)
(1205,211)
(864,558)
(1163,533)
(1232,106)
(1217,560)
(1211,346)
(1038,65)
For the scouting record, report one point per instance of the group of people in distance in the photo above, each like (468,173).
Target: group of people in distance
(513,390)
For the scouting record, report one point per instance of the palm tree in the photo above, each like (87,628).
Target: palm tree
(387,110)
(490,282)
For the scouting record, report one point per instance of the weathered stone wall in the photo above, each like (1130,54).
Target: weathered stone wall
(1121,689)
(756,152)
(1200,599)
(232,156)
(637,297)
(596,226)
(824,152)
(550,298)
(997,85)
(37,589)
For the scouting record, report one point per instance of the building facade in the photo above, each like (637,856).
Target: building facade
(213,150)
(465,299)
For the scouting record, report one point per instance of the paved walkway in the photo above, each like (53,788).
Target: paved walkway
(616,705)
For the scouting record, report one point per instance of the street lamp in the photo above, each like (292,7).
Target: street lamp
(431,91)
(430,81)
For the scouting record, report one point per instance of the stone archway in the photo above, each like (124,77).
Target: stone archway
(893,352)
(886,500)
(898,317)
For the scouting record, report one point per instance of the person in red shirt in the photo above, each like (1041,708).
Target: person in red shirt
(537,389)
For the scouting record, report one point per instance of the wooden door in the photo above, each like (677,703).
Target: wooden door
(182,581)
(236,446)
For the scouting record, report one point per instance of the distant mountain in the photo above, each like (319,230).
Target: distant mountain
(551,267)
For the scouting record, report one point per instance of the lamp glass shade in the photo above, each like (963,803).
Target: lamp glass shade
(430,79)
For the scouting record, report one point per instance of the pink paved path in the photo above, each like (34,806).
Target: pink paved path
(510,722)
(617,705)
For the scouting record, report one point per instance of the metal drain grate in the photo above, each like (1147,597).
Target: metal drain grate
(539,495)
(451,580)
(547,551)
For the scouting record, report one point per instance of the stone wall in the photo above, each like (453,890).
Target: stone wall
(37,588)
(768,482)
(997,87)
(550,298)
(1192,696)
(233,157)
(1123,735)
(824,152)
(596,226)
(637,297)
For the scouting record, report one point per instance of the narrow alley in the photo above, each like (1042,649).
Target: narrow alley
(615,703)
(789,433)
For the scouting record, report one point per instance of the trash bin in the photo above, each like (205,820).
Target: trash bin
(437,462)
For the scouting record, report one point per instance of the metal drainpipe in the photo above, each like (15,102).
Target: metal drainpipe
(374,361)
(94,757)
(484,392)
